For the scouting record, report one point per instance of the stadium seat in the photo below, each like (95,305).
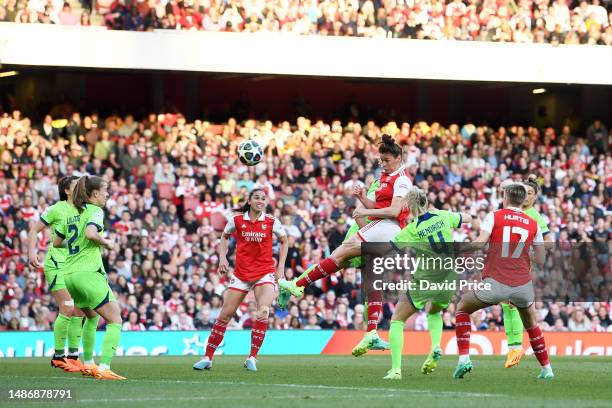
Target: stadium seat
(165,191)
(218,221)
(191,202)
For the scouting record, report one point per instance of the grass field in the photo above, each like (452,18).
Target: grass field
(309,381)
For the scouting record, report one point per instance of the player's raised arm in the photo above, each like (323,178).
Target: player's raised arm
(360,193)
(388,212)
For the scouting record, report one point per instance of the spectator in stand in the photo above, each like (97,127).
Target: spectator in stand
(578,321)
(523,22)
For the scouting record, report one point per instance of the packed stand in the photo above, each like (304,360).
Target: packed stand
(174,183)
(523,21)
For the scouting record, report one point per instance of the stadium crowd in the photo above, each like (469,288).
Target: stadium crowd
(173,183)
(522,21)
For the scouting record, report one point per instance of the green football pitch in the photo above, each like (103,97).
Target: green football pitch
(317,381)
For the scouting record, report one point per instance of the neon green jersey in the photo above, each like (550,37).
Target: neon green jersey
(52,217)
(539,219)
(82,255)
(429,235)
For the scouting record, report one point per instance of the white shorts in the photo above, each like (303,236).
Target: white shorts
(520,296)
(245,287)
(379,231)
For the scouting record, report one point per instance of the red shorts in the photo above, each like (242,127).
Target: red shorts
(245,287)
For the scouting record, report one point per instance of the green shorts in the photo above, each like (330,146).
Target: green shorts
(53,274)
(420,297)
(89,290)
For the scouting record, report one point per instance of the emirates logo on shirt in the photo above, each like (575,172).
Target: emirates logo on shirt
(252,236)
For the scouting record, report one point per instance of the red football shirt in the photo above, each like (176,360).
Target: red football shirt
(254,257)
(395,184)
(512,234)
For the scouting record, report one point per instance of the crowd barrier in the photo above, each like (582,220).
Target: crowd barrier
(288,342)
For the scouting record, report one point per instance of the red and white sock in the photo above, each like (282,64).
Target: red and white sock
(463,329)
(325,268)
(258,334)
(216,337)
(536,338)
(375,308)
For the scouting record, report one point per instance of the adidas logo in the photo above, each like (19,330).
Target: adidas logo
(243,226)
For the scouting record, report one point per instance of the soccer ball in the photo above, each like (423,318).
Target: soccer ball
(250,152)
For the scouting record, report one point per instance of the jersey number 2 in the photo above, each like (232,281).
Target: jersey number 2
(74,230)
(519,245)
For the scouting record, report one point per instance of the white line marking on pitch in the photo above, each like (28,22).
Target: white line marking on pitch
(304,386)
(251,398)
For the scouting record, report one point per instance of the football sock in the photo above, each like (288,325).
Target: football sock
(60,332)
(74,334)
(322,270)
(375,306)
(258,334)
(110,342)
(463,327)
(89,338)
(216,337)
(434,323)
(396,340)
(513,326)
(536,338)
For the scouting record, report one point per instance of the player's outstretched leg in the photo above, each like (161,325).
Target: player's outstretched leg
(89,340)
(349,249)
(296,286)
(434,324)
(513,325)
(284,294)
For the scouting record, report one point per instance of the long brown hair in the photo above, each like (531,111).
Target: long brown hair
(83,190)
(63,185)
